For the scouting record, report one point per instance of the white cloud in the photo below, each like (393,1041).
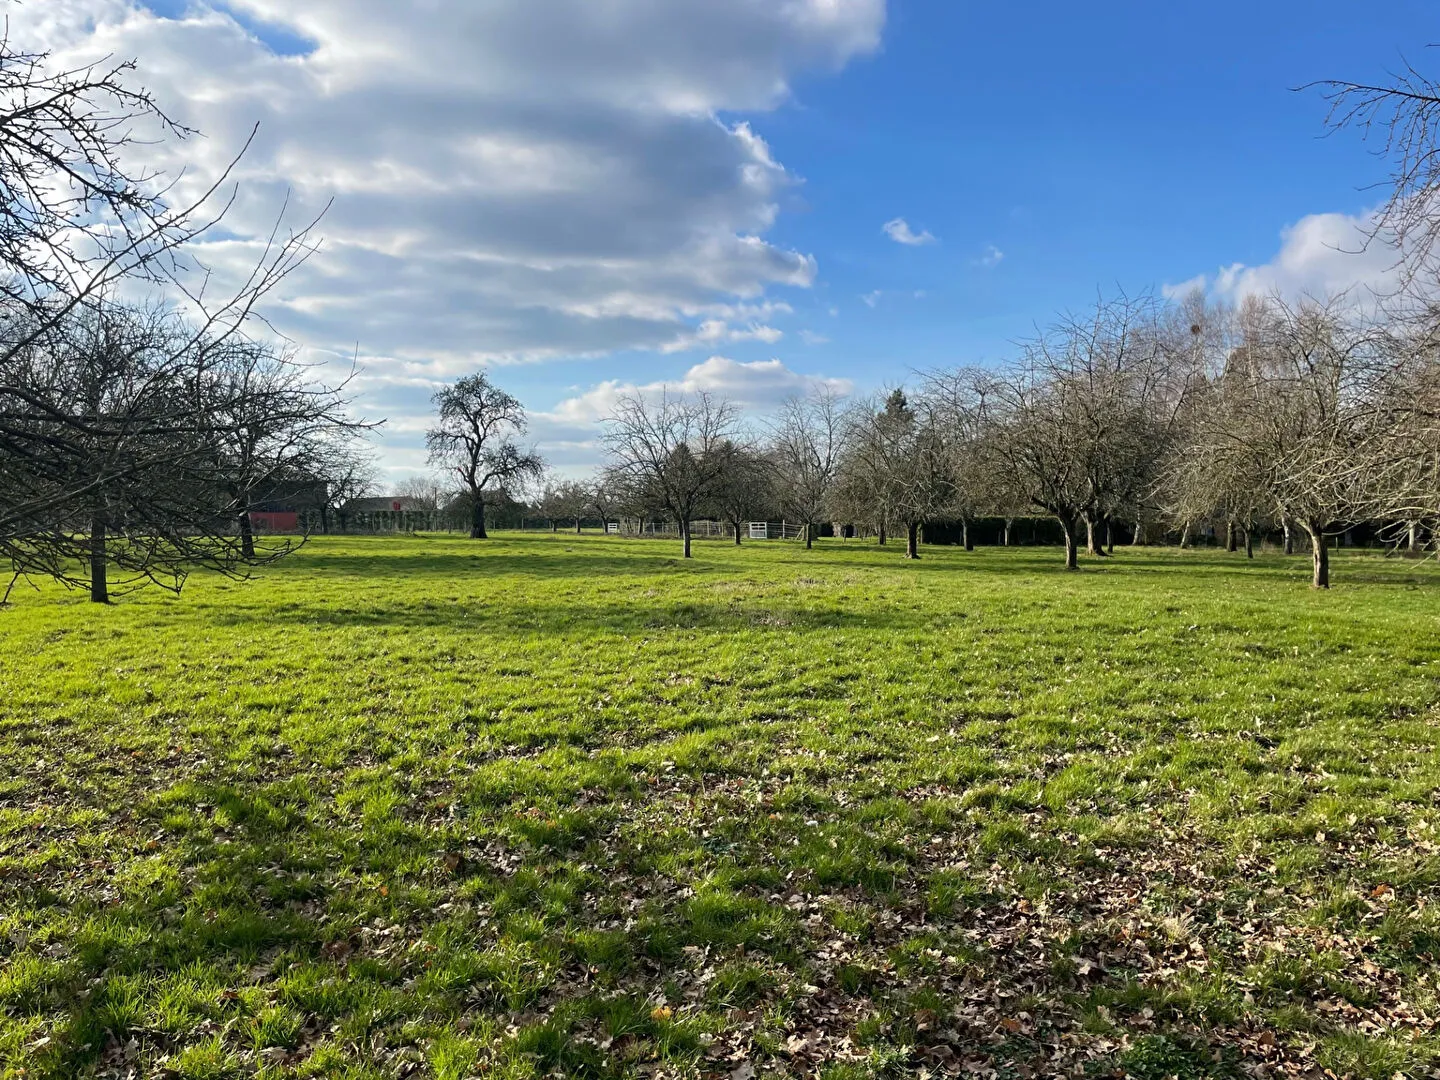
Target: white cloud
(512,180)
(1181,289)
(898,229)
(713,332)
(810,337)
(873,297)
(758,385)
(992,256)
(1320,256)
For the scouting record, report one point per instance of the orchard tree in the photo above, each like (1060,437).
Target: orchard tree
(108,427)
(670,451)
(476,441)
(274,423)
(1079,422)
(956,401)
(898,462)
(128,443)
(806,440)
(607,495)
(745,489)
(563,500)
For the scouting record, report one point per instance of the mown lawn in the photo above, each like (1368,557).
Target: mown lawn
(556,806)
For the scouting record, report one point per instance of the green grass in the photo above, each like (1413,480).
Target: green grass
(543,805)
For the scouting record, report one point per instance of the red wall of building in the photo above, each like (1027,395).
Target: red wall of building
(275,520)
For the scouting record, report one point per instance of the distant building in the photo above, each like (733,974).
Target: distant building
(284,506)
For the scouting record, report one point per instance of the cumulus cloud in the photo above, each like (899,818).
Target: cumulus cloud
(1321,255)
(757,385)
(898,229)
(512,180)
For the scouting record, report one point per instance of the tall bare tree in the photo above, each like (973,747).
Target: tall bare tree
(476,439)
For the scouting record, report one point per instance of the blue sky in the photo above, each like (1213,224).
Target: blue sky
(590,196)
(1120,144)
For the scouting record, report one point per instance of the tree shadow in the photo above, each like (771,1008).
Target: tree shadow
(631,617)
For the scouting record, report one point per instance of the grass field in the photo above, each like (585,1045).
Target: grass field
(569,806)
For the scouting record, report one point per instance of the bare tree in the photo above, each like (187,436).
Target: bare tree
(562,500)
(75,222)
(607,495)
(1403,120)
(428,491)
(118,449)
(475,439)
(274,424)
(96,402)
(669,451)
(350,474)
(745,490)
(805,447)
(1286,426)
(1079,422)
(898,463)
(958,402)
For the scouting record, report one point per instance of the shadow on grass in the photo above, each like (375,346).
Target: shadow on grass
(630,618)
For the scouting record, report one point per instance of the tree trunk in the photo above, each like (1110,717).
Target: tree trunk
(809,536)
(1092,538)
(99,587)
(1137,538)
(736,526)
(1008,523)
(882,535)
(1289,536)
(1072,554)
(1230,536)
(1185,537)
(965,535)
(912,540)
(1249,543)
(685,536)
(477,519)
(1320,558)
(1413,538)
(1109,537)
(247,536)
